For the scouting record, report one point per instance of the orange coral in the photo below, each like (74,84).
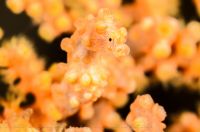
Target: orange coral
(157,7)
(25,74)
(49,14)
(18,123)
(56,16)
(80,8)
(145,116)
(197,4)
(22,123)
(72,129)
(104,115)
(141,9)
(162,44)
(155,34)
(186,122)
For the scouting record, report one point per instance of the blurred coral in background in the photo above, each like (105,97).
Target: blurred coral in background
(99,66)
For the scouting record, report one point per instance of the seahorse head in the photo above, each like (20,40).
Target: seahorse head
(109,34)
(106,35)
(100,33)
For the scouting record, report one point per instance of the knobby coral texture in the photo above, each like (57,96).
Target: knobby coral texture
(145,115)
(114,53)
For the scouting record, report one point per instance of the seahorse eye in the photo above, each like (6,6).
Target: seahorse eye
(17,81)
(110,39)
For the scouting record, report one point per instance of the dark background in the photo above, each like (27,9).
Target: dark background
(174,100)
